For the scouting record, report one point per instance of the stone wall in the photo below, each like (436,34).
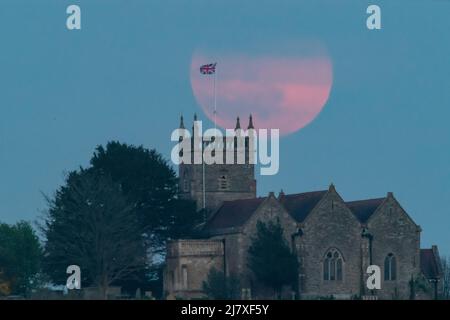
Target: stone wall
(239,183)
(395,232)
(187,265)
(269,210)
(331,225)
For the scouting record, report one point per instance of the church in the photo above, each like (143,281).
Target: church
(333,239)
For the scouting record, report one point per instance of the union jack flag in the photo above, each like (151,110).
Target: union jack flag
(208,68)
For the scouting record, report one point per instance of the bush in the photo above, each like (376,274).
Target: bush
(221,287)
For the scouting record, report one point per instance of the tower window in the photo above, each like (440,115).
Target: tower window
(223,183)
(185,182)
(390,267)
(332,265)
(184,272)
(172,279)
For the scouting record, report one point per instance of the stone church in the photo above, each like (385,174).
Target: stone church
(334,240)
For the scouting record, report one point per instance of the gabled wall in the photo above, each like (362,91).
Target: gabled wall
(395,232)
(269,210)
(330,225)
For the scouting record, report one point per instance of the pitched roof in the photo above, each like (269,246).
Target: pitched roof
(236,213)
(363,209)
(233,213)
(300,205)
(429,264)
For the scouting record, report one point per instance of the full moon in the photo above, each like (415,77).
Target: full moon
(283,89)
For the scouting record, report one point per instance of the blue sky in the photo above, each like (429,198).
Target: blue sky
(125,76)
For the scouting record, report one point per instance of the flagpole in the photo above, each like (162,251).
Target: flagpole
(204,189)
(215,97)
(215,127)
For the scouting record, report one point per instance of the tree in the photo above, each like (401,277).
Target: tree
(270,258)
(20,258)
(182,219)
(5,286)
(221,287)
(90,224)
(150,186)
(445,261)
(417,284)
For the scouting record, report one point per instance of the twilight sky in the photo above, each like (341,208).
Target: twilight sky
(382,124)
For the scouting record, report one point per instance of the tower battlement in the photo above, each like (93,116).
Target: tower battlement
(211,185)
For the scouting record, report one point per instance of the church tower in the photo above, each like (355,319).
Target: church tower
(222,182)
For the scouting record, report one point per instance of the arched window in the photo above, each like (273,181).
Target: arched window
(390,267)
(332,265)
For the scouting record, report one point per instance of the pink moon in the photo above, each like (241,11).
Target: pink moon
(281,92)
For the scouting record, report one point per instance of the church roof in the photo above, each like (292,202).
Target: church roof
(233,213)
(300,205)
(429,264)
(363,209)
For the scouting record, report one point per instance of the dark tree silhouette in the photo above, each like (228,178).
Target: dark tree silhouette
(270,258)
(20,258)
(147,185)
(150,186)
(91,224)
(445,262)
(220,287)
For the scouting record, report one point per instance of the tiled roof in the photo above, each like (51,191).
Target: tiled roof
(429,264)
(300,205)
(236,213)
(363,209)
(233,213)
